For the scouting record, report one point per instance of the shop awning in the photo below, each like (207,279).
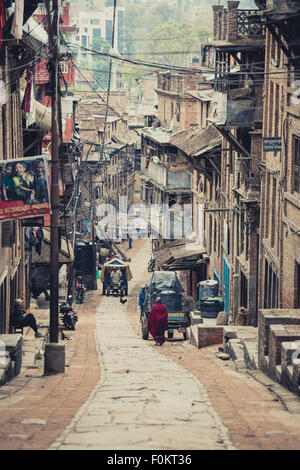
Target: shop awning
(42,115)
(180,256)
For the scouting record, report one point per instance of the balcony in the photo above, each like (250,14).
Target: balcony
(235,109)
(282,9)
(235,25)
(168,180)
(249,25)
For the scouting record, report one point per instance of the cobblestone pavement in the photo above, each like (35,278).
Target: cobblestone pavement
(144,400)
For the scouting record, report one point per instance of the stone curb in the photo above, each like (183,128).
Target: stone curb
(290,401)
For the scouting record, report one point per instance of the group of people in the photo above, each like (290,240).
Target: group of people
(157,322)
(21,182)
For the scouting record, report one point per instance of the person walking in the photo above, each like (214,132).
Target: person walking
(158,322)
(142,296)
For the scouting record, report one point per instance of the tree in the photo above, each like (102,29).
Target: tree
(101,63)
(173,43)
(133,78)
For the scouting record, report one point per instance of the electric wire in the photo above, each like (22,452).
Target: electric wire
(177,68)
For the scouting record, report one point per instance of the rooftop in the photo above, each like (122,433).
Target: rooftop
(197,141)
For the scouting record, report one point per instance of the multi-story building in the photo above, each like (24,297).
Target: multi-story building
(16,141)
(236,55)
(43,90)
(279,263)
(168,178)
(110,153)
(93,24)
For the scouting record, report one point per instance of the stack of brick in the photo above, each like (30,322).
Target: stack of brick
(203,335)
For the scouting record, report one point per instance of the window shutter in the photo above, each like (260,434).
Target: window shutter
(8,234)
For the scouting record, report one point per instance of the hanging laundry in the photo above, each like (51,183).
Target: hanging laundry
(59,238)
(2,20)
(17,25)
(7,3)
(28,103)
(39,236)
(9,8)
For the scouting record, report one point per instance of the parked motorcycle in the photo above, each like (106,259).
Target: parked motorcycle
(151,265)
(69,316)
(79,293)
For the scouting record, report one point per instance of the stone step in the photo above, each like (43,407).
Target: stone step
(6,369)
(279,334)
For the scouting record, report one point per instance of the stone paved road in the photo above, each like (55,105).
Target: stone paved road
(143,400)
(36,411)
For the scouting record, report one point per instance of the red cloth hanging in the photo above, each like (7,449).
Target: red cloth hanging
(2,21)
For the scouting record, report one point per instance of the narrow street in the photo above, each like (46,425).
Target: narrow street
(143,398)
(122,393)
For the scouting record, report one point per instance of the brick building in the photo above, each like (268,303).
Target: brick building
(15,142)
(279,280)
(168,174)
(105,172)
(236,55)
(67,73)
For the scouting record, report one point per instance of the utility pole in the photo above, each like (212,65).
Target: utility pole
(54,352)
(92,218)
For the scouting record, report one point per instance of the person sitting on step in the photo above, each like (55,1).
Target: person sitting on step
(19,319)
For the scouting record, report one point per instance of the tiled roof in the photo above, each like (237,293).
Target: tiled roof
(196,141)
(128,137)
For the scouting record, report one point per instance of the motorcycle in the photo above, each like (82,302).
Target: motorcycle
(115,289)
(80,290)
(151,265)
(69,316)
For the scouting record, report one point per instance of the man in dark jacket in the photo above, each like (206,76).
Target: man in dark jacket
(142,296)
(19,318)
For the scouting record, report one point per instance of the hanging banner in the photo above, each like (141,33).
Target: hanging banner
(24,188)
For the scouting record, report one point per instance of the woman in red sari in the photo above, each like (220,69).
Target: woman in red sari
(158,322)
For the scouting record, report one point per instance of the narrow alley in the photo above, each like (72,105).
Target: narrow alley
(143,399)
(121,392)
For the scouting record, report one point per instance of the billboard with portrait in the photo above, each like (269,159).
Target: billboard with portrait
(24,188)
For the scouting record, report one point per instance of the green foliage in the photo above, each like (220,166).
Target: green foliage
(132,77)
(101,63)
(173,43)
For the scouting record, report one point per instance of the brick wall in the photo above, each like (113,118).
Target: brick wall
(209,335)
(266,318)
(225,21)
(277,335)
(232,33)
(174,107)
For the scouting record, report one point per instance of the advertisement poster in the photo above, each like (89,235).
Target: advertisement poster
(24,188)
